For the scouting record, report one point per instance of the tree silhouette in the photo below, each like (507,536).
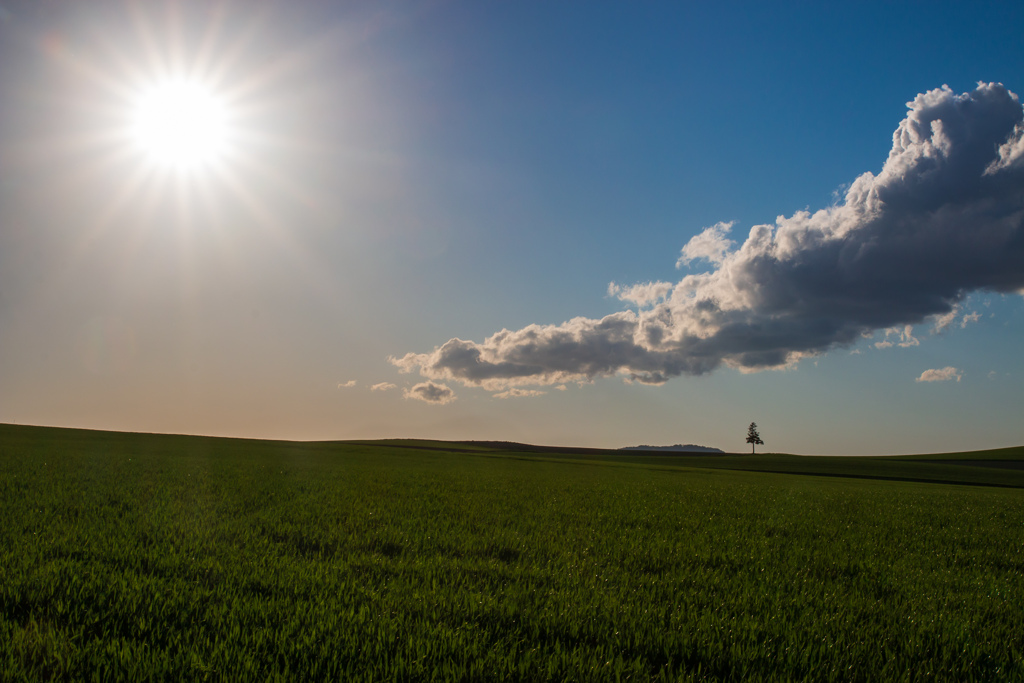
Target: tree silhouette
(753,438)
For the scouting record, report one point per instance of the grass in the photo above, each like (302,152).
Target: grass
(147,557)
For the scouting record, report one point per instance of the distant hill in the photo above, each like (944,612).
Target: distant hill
(688,448)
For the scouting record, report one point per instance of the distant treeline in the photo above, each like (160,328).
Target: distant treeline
(691,448)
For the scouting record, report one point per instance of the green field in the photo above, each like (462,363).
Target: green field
(147,557)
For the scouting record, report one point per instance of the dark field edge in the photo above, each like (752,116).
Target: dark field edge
(966,476)
(990,468)
(1013,453)
(1001,468)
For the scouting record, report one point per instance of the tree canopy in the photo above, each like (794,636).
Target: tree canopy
(753,438)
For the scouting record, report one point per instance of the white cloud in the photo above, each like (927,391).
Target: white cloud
(905,337)
(347,385)
(516,392)
(943,321)
(711,244)
(429,392)
(942,219)
(940,375)
(1011,152)
(643,295)
(383,386)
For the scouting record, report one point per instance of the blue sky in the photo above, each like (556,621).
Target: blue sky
(406,174)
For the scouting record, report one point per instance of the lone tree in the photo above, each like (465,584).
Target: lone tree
(753,438)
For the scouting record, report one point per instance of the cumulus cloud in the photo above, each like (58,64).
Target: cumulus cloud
(1011,152)
(940,375)
(943,218)
(382,386)
(710,245)
(347,385)
(429,392)
(642,295)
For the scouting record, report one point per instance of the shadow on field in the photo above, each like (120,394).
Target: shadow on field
(1001,468)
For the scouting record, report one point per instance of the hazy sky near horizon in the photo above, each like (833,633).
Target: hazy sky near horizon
(596,224)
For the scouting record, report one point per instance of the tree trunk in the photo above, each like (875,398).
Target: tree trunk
(753,449)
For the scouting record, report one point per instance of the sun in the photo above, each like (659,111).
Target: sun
(181,124)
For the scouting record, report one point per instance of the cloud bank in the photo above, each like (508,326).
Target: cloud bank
(943,218)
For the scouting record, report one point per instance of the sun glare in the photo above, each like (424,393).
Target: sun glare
(181,124)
